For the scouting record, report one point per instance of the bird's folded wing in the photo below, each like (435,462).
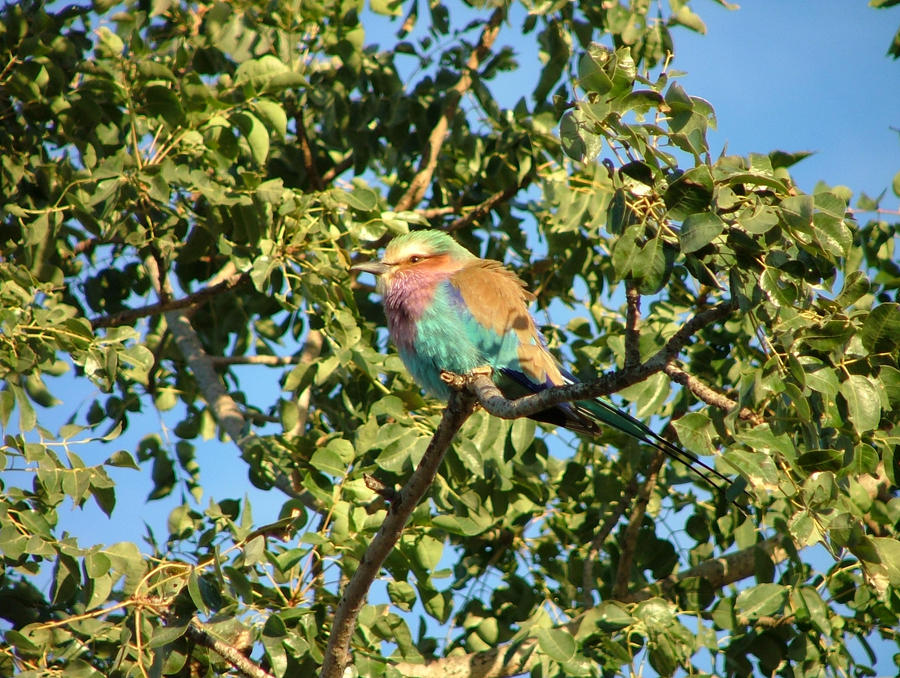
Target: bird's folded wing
(498,303)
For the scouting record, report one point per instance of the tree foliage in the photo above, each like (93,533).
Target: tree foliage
(184,189)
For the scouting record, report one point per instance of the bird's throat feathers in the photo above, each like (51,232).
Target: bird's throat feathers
(409,291)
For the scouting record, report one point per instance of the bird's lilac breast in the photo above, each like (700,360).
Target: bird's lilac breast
(405,301)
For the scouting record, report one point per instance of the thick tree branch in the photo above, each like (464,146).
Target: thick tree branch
(130,315)
(709,395)
(428,163)
(511,659)
(717,572)
(337,654)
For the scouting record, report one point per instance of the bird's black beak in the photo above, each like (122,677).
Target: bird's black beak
(373,267)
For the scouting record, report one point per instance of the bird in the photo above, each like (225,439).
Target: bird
(449,310)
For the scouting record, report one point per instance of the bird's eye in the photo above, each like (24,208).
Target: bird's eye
(415,259)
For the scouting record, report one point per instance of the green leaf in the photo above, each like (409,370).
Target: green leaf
(255,133)
(855,286)
(195,594)
(821,460)
(779,292)
(761,600)
(163,635)
(691,193)
(880,332)
(328,461)
(401,594)
(863,402)
(387,7)
(570,135)
(272,114)
(695,431)
(521,434)
(558,644)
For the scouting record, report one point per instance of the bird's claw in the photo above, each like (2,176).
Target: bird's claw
(460,381)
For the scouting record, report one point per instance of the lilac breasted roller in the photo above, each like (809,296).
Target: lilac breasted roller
(449,310)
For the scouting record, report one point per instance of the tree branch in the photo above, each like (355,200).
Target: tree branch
(632,326)
(222,406)
(337,654)
(492,399)
(587,575)
(708,394)
(717,572)
(267,360)
(197,633)
(484,208)
(428,163)
(309,162)
(630,538)
(130,315)
(331,174)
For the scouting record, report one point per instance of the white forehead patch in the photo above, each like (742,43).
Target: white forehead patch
(396,254)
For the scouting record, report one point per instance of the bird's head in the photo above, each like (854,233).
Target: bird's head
(428,253)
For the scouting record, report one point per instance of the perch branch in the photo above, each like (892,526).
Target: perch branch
(337,654)
(494,402)
(428,163)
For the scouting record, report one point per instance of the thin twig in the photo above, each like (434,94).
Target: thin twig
(267,360)
(709,395)
(632,325)
(337,654)
(132,314)
(587,575)
(635,520)
(428,163)
(197,633)
(484,208)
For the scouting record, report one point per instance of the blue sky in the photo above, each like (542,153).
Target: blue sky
(781,75)
(802,76)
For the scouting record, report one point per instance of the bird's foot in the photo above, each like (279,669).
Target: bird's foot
(460,381)
(455,381)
